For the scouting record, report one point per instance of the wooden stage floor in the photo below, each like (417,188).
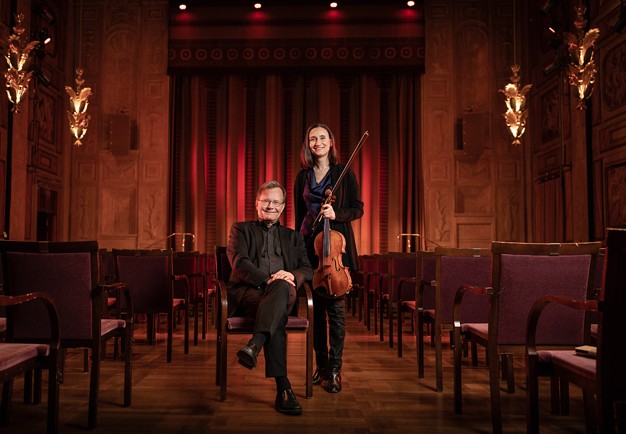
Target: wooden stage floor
(381,394)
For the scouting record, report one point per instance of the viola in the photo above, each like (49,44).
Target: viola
(330,245)
(331,274)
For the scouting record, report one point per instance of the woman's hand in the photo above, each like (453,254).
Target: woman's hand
(328,211)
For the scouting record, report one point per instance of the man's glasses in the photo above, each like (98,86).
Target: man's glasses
(275,203)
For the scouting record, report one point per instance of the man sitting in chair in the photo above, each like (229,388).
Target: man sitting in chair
(268,262)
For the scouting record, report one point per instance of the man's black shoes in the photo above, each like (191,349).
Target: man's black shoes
(333,384)
(287,403)
(319,375)
(247,355)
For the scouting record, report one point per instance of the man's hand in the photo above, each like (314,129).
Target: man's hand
(284,275)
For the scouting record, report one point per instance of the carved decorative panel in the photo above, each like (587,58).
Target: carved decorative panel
(547,163)
(155,88)
(473,171)
(120,217)
(474,66)
(438,45)
(439,171)
(550,115)
(84,218)
(86,171)
(151,216)
(154,132)
(435,10)
(612,137)
(473,200)
(509,214)
(614,78)
(153,171)
(616,195)
(438,213)
(508,170)
(474,233)
(92,17)
(119,169)
(48,108)
(438,88)
(438,135)
(47,161)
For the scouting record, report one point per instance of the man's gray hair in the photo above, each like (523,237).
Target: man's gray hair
(270,185)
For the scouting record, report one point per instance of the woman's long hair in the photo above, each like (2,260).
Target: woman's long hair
(306,158)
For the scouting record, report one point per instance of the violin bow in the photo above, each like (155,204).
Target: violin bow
(318,219)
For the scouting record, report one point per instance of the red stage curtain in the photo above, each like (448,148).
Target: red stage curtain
(232,132)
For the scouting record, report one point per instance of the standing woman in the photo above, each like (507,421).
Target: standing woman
(320,169)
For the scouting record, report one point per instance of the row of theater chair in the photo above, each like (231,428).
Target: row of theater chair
(91,306)
(493,298)
(199,268)
(502,254)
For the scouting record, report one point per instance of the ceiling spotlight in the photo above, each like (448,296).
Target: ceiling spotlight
(258,5)
(182,6)
(333,4)
(410,3)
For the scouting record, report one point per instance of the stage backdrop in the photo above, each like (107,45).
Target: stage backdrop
(245,86)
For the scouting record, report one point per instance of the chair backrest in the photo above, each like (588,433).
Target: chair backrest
(68,271)
(206,267)
(522,272)
(457,267)
(149,276)
(401,264)
(187,263)
(367,263)
(611,356)
(426,275)
(222,264)
(379,279)
(211,271)
(106,266)
(599,270)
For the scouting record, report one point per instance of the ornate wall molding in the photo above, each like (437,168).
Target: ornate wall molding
(279,54)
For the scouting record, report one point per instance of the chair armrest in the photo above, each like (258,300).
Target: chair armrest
(403,280)
(540,304)
(222,311)
(359,279)
(118,289)
(419,293)
(309,302)
(383,286)
(185,278)
(458,298)
(48,302)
